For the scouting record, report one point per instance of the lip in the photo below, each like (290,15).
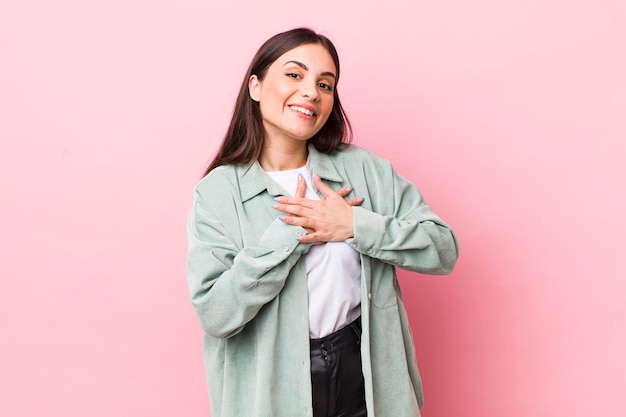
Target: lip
(304,106)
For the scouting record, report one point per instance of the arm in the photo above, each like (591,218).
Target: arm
(400,229)
(403,231)
(229,284)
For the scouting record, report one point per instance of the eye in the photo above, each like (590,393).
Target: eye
(325,86)
(293,75)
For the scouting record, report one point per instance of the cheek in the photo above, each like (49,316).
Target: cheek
(275,91)
(328,106)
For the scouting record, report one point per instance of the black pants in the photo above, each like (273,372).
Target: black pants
(336,376)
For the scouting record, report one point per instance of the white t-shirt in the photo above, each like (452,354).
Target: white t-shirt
(333,270)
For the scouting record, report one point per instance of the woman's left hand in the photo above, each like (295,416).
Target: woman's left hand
(330,219)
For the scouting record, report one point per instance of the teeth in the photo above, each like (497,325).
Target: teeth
(303,110)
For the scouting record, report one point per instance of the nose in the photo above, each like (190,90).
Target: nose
(309,90)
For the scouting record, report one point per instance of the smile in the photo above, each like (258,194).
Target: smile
(303,110)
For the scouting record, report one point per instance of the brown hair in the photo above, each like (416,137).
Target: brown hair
(243,141)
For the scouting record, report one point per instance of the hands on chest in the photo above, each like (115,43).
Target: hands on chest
(326,220)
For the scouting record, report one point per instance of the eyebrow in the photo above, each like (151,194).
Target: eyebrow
(304,67)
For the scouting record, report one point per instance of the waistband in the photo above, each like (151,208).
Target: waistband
(344,337)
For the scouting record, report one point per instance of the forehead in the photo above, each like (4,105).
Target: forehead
(313,55)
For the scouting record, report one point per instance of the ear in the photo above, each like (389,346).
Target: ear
(254,88)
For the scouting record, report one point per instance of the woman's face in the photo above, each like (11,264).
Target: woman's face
(297,94)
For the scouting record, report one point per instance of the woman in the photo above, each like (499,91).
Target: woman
(291,274)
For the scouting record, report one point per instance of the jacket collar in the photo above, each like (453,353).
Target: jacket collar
(254,180)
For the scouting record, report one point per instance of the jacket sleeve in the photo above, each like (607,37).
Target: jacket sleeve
(228,283)
(401,229)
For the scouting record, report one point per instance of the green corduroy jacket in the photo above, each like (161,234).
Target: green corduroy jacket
(247,282)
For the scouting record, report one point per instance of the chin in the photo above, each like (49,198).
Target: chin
(304,136)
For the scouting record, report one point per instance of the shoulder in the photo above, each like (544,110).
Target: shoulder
(215,203)
(218,192)
(219,178)
(353,155)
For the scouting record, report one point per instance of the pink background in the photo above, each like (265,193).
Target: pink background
(508,114)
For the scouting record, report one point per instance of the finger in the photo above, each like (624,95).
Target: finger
(309,232)
(283,202)
(300,187)
(313,238)
(295,210)
(304,222)
(356,201)
(344,191)
(323,188)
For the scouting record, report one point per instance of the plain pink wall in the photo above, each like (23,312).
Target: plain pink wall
(508,114)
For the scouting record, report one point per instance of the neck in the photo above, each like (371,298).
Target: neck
(283,158)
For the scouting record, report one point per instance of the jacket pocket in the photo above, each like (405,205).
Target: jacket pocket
(384,288)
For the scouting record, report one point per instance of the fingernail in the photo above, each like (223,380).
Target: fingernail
(280,218)
(300,176)
(362,200)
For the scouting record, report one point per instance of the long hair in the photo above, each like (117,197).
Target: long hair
(243,141)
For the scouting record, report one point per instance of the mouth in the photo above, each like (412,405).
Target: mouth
(303,110)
